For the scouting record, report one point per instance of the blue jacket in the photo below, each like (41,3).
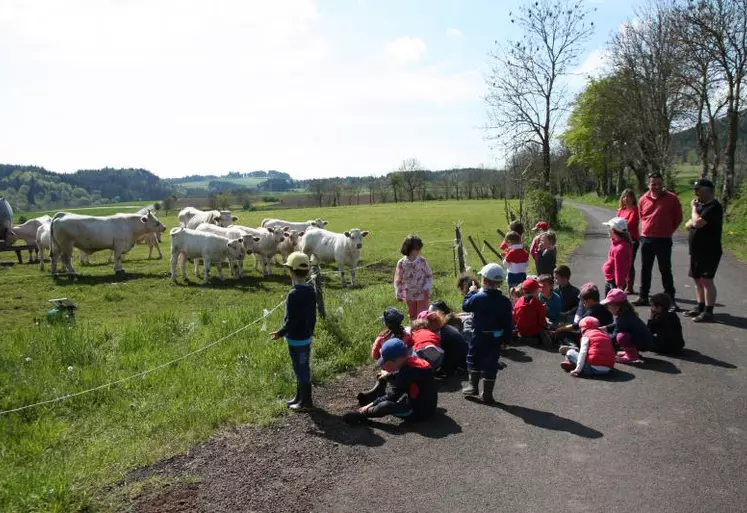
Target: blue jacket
(630,323)
(300,314)
(553,304)
(491,312)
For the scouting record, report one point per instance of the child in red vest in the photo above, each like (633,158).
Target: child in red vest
(596,357)
(529,312)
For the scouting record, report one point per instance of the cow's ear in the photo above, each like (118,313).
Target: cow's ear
(347,234)
(256,239)
(286,228)
(241,240)
(286,235)
(144,219)
(300,234)
(271,230)
(234,218)
(365,234)
(325,223)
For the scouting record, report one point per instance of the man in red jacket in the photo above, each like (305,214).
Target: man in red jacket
(661,214)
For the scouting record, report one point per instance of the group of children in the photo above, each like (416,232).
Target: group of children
(593,332)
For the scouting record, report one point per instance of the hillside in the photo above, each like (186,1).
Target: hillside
(684,143)
(256,181)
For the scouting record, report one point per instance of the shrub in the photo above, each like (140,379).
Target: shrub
(22,219)
(543,206)
(246,204)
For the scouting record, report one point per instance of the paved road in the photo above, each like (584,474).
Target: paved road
(670,435)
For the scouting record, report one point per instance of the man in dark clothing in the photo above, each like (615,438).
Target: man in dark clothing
(705,226)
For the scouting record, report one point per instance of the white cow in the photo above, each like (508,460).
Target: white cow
(251,245)
(27,232)
(43,242)
(191,217)
(92,233)
(290,225)
(290,244)
(213,249)
(267,246)
(343,248)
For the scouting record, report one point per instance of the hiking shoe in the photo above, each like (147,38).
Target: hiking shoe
(694,312)
(567,366)
(641,301)
(704,317)
(471,389)
(487,391)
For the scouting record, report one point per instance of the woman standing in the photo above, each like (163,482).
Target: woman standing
(629,211)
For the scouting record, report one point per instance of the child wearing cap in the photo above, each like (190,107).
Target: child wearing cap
(540,228)
(620,255)
(413,394)
(546,253)
(529,312)
(492,325)
(589,306)
(629,333)
(413,278)
(596,356)
(298,328)
(392,320)
(516,260)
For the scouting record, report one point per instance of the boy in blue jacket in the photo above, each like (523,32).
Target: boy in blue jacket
(493,323)
(298,328)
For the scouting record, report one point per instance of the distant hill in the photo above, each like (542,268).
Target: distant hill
(685,143)
(255,181)
(35,188)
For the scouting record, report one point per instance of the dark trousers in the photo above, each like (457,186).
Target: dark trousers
(483,355)
(300,360)
(401,408)
(659,249)
(631,274)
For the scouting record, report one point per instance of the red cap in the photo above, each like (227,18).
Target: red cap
(542,225)
(529,285)
(588,323)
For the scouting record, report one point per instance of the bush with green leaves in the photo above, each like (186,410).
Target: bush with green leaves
(543,206)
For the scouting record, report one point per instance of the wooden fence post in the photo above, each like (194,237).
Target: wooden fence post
(491,248)
(316,281)
(459,248)
(477,250)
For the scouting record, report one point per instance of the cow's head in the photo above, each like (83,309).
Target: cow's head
(152,224)
(318,223)
(356,236)
(249,242)
(235,248)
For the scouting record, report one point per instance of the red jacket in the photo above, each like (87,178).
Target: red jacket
(660,217)
(601,351)
(529,316)
(383,337)
(633,219)
(423,338)
(619,260)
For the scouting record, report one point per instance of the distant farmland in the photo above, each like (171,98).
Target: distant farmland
(241,182)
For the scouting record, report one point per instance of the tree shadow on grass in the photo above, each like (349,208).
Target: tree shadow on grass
(549,420)
(691,355)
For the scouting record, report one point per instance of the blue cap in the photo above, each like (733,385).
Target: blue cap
(391,350)
(393,317)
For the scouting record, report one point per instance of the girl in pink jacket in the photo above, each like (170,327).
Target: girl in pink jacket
(413,277)
(620,255)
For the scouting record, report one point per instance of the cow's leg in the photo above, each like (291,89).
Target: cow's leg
(197,272)
(54,254)
(118,260)
(352,275)
(150,250)
(67,259)
(158,248)
(341,268)
(256,261)
(174,259)
(184,267)
(41,258)
(220,271)
(206,269)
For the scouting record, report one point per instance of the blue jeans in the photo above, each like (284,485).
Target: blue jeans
(300,360)
(588,370)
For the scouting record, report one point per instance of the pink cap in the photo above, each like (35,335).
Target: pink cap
(423,315)
(615,296)
(588,323)
(542,225)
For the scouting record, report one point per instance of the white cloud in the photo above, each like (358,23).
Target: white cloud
(592,67)
(406,50)
(453,32)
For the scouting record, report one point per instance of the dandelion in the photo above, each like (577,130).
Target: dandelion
(70,368)
(28,358)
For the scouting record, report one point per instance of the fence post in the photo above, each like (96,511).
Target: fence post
(459,248)
(316,281)
(477,250)
(491,248)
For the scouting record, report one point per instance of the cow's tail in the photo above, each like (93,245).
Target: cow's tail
(58,215)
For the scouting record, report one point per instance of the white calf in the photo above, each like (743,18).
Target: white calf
(342,248)
(290,225)
(290,244)
(250,244)
(213,249)
(191,217)
(267,246)
(27,233)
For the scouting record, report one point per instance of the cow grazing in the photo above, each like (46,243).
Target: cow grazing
(289,225)
(27,233)
(213,249)
(92,233)
(267,246)
(290,244)
(191,217)
(251,245)
(342,248)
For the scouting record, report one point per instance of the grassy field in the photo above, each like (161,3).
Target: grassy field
(61,457)
(203,184)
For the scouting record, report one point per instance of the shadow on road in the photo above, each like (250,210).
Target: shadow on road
(657,365)
(516,355)
(332,427)
(731,320)
(616,375)
(549,420)
(691,355)
(439,426)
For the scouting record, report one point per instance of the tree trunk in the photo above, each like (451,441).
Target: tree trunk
(703,140)
(620,185)
(732,121)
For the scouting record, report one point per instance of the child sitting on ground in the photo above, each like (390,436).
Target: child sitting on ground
(426,342)
(629,333)
(392,319)
(516,260)
(452,339)
(596,357)
(530,313)
(514,294)
(589,306)
(413,394)
(620,255)
(547,253)
(550,298)
(567,292)
(665,326)
(413,278)
(492,325)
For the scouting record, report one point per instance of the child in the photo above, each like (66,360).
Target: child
(550,298)
(464,283)
(596,357)
(547,253)
(413,278)
(588,306)
(629,332)
(530,313)
(620,255)
(516,260)
(426,342)
(298,328)
(665,326)
(567,292)
(392,319)
(541,227)
(514,226)
(514,294)
(413,394)
(492,325)
(452,339)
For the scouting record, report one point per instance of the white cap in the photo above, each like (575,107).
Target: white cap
(618,224)
(492,272)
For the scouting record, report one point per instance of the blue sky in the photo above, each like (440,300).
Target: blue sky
(314,88)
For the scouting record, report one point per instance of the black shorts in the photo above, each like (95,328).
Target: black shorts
(705,265)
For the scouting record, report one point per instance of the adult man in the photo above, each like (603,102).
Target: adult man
(704,226)
(660,212)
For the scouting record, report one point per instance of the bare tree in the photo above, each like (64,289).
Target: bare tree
(396,181)
(526,97)
(413,176)
(319,188)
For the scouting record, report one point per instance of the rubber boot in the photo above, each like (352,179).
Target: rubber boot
(305,403)
(297,397)
(378,390)
(487,391)
(472,387)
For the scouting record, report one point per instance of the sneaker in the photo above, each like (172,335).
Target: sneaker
(623,357)
(564,349)
(567,366)
(694,312)
(641,301)
(675,307)
(704,317)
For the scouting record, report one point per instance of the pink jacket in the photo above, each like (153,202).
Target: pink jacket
(412,279)
(619,260)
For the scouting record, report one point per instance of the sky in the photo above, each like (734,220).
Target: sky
(314,88)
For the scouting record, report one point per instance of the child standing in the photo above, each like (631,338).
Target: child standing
(298,328)
(630,333)
(540,228)
(492,325)
(392,319)
(516,260)
(567,292)
(547,253)
(530,313)
(413,277)
(596,357)
(620,256)
(665,326)
(514,226)
(550,298)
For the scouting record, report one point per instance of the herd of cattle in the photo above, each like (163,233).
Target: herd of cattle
(207,236)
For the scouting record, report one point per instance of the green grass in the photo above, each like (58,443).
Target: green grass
(203,184)
(62,457)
